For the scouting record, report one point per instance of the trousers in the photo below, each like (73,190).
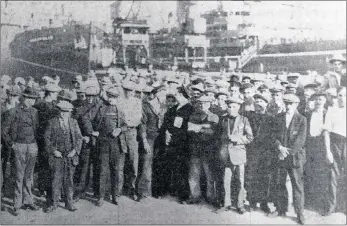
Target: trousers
(62,173)
(83,170)
(111,160)
(144,186)
(237,173)
(195,167)
(24,164)
(133,153)
(44,172)
(297,180)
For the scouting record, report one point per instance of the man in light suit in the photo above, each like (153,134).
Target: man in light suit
(235,132)
(290,141)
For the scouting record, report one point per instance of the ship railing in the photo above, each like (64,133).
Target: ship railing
(247,55)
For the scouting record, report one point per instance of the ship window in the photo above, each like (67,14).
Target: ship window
(134,31)
(142,31)
(237,13)
(127,30)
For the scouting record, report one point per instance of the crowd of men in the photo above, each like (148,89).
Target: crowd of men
(193,138)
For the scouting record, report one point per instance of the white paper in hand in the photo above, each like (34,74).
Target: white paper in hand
(178,122)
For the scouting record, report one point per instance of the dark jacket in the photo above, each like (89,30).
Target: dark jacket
(46,111)
(150,121)
(9,124)
(293,138)
(54,138)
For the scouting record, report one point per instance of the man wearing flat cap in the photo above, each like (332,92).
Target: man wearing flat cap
(234,133)
(108,127)
(306,104)
(276,105)
(260,155)
(63,141)
(247,91)
(290,137)
(85,116)
(46,110)
(201,127)
(19,131)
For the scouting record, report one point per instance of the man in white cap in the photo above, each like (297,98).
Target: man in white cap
(131,108)
(63,141)
(337,77)
(234,132)
(19,131)
(105,83)
(19,81)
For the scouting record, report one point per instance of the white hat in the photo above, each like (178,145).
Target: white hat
(91,91)
(19,80)
(52,87)
(337,57)
(64,105)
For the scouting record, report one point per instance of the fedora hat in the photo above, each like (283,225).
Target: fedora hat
(30,93)
(236,100)
(337,57)
(199,87)
(113,91)
(66,95)
(291,98)
(106,81)
(52,87)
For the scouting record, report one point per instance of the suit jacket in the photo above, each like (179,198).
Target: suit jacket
(54,139)
(243,132)
(293,137)
(9,124)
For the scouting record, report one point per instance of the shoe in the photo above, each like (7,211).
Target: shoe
(265,208)
(327,212)
(140,198)
(15,212)
(32,207)
(223,209)
(50,209)
(41,194)
(114,202)
(277,214)
(192,201)
(3,208)
(100,202)
(252,207)
(301,219)
(71,208)
(241,210)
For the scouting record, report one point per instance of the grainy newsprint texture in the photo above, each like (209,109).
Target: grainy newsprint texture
(173,112)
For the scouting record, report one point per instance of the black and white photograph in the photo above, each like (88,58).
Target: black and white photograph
(173,112)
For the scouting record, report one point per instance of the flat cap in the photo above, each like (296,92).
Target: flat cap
(263,87)
(199,87)
(65,94)
(91,91)
(113,91)
(222,92)
(311,86)
(277,89)
(259,96)
(236,100)
(291,98)
(246,86)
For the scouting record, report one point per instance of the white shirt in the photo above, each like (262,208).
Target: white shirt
(289,117)
(335,120)
(316,124)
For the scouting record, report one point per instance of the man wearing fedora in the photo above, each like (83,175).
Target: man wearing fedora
(234,133)
(19,131)
(46,110)
(63,141)
(290,137)
(336,77)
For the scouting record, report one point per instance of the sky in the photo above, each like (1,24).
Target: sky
(326,19)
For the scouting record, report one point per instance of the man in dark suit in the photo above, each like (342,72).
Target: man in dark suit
(290,141)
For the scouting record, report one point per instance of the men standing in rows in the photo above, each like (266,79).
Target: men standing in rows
(201,127)
(111,156)
(63,141)
(290,135)
(335,144)
(19,132)
(235,132)
(149,144)
(86,115)
(46,110)
(260,156)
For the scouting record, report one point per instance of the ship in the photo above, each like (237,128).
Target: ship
(76,48)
